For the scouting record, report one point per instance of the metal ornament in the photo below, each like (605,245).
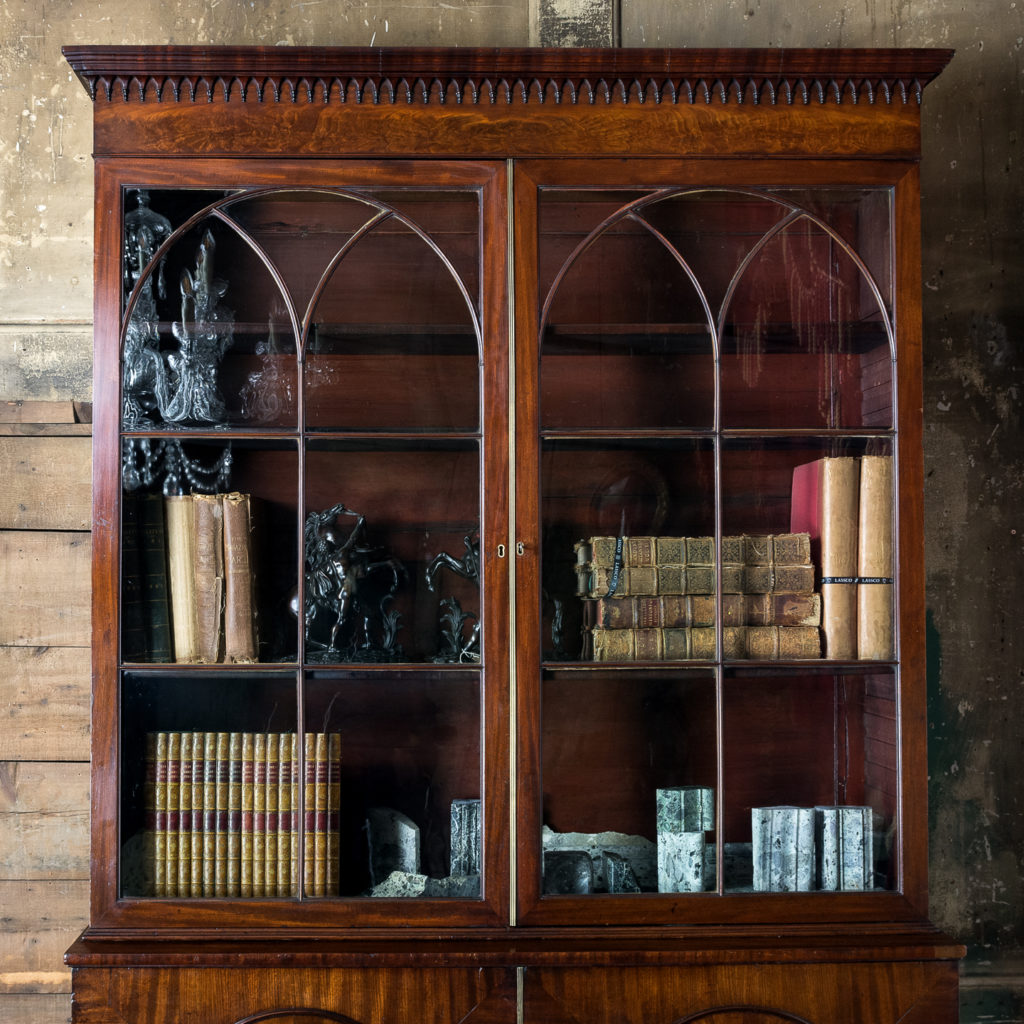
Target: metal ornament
(456,646)
(346,617)
(177,387)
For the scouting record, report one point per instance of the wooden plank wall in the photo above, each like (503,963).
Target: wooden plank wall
(45,465)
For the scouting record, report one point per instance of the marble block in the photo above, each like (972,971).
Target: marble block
(685,809)
(681,866)
(638,850)
(844,848)
(465,838)
(568,872)
(401,884)
(394,842)
(783,848)
(466,887)
(618,874)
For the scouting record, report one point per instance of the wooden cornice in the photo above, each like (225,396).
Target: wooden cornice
(503,77)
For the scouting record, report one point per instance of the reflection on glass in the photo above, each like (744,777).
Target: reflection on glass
(810,780)
(393,337)
(640,292)
(805,342)
(628,782)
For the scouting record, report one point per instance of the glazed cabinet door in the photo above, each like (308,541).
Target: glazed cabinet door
(710,695)
(302,469)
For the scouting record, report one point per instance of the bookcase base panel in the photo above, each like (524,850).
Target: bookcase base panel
(910,992)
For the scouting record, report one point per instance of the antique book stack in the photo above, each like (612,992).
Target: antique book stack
(845,504)
(654,598)
(209,560)
(222,814)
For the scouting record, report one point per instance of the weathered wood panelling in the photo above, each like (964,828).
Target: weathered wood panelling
(44,588)
(44,699)
(35,1009)
(40,920)
(47,483)
(45,466)
(44,820)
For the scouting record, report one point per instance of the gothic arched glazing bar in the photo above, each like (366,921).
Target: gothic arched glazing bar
(631,212)
(795,215)
(300,326)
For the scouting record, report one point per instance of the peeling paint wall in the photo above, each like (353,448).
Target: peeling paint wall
(973,228)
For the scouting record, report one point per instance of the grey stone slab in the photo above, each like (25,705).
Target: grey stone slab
(640,852)
(685,809)
(401,884)
(783,848)
(844,848)
(466,887)
(681,866)
(568,872)
(618,874)
(394,843)
(465,838)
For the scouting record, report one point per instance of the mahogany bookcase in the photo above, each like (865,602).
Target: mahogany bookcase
(442,318)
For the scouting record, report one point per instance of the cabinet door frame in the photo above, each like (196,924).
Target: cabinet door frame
(907,900)
(110,912)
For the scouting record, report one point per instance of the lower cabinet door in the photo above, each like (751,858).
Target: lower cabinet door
(875,993)
(283,995)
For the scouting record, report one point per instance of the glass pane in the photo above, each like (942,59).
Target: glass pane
(808,548)
(209,551)
(405,748)
(392,552)
(626,337)
(193,792)
(804,336)
(629,769)
(209,339)
(593,493)
(393,339)
(810,774)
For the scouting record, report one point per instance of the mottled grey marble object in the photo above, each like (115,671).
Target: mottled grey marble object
(618,874)
(681,862)
(683,814)
(466,887)
(568,872)
(844,845)
(685,809)
(401,884)
(465,838)
(394,843)
(783,848)
(639,851)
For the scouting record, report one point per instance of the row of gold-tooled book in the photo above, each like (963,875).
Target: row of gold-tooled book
(653,598)
(222,814)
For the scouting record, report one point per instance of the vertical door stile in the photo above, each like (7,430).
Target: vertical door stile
(513,695)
